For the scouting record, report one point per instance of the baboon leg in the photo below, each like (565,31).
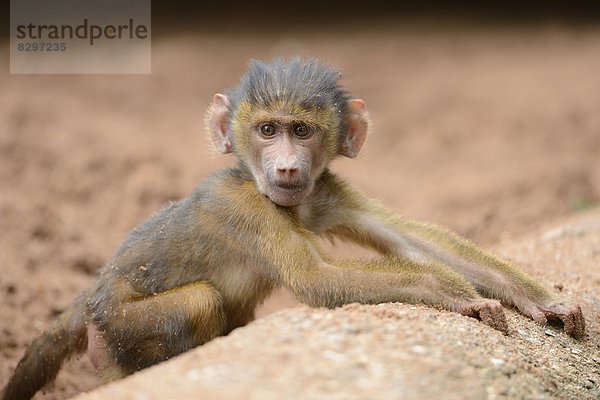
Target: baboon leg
(144,331)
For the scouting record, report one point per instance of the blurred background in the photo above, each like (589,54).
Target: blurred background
(486,120)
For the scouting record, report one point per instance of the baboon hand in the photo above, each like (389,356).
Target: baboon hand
(569,314)
(490,312)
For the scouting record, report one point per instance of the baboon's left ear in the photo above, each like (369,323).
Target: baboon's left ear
(357,126)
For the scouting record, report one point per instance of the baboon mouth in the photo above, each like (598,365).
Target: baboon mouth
(290,186)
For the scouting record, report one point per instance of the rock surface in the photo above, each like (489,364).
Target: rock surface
(392,351)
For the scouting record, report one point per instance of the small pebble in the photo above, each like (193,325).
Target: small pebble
(553,234)
(333,356)
(535,341)
(497,362)
(549,333)
(419,349)
(589,384)
(193,375)
(559,287)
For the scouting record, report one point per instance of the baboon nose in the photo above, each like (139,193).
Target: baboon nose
(287,167)
(287,172)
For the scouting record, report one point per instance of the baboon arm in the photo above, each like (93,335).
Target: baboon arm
(335,283)
(370,224)
(391,279)
(329,283)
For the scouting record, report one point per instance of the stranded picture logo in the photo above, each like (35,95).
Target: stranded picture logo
(80,37)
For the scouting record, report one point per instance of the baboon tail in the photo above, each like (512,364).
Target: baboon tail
(44,357)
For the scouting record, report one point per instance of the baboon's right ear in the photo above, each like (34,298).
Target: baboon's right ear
(217,122)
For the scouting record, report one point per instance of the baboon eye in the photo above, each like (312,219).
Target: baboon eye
(267,130)
(301,130)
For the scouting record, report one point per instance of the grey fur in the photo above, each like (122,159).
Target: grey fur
(306,83)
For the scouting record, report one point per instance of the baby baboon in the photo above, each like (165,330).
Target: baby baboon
(199,267)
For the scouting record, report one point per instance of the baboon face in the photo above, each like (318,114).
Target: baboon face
(287,156)
(285,123)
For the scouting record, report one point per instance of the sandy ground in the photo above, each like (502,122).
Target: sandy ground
(490,132)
